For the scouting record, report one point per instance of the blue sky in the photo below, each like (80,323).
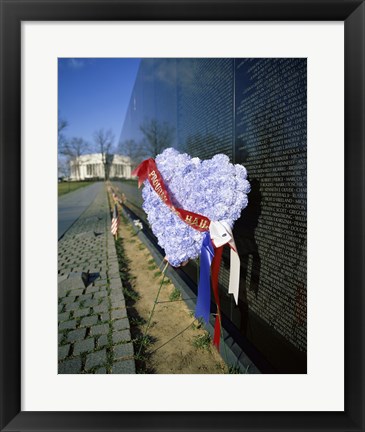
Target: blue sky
(94,93)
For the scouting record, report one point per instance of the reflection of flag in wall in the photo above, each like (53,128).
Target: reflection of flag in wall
(115,221)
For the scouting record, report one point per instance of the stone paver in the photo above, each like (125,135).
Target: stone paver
(124,350)
(105,316)
(72,306)
(117,297)
(63,316)
(84,297)
(68,300)
(81,312)
(89,321)
(91,302)
(119,313)
(72,366)
(101,294)
(103,341)
(76,292)
(101,308)
(100,329)
(121,336)
(97,358)
(124,367)
(63,351)
(121,324)
(92,289)
(84,346)
(66,325)
(76,335)
(93,317)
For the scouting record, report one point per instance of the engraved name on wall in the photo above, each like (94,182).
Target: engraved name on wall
(271,125)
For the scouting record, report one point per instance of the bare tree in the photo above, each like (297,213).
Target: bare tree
(104,141)
(158,136)
(63,167)
(133,150)
(73,149)
(62,162)
(62,124)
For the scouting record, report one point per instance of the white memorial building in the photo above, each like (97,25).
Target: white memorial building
(91,166)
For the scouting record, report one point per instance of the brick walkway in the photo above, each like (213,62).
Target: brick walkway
(93,327)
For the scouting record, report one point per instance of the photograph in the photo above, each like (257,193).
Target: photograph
(182,205)
(182,215)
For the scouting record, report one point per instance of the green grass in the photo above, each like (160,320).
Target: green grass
(175,295)
(235,369)
(137,321)
(141,344)
(151,264)
(202,342)
(66,187)
(130,294)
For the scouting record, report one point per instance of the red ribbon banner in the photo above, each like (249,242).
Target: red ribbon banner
(148,170)
(215,272)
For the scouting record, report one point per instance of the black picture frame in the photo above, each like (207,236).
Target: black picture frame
(12,14)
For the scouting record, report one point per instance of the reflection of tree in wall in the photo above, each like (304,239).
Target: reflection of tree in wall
(198,145)
(133,150)
(73,149)
(157,137)
(104,143)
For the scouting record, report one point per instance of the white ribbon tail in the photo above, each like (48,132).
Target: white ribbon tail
(221,233)
(234,275)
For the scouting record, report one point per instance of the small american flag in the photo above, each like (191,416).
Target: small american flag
(115,221)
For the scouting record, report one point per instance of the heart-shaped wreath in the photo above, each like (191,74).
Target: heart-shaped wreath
(213,188)
(191,206)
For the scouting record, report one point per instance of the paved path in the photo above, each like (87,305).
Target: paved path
(94,335)
(72,204)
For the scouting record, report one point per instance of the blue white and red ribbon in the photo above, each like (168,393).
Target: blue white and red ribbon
(202,309)
(217,234)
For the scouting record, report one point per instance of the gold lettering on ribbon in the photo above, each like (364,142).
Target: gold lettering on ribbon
(157,186)
(203,224)
(193,221)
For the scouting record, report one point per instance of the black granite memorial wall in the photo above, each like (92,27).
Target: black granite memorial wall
(255,111)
